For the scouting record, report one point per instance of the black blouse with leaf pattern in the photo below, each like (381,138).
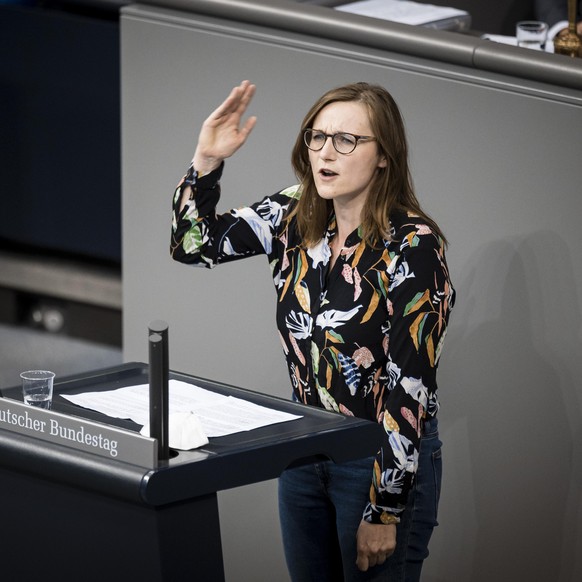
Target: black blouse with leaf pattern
(363,338)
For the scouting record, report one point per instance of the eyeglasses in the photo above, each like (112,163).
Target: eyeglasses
(344,143)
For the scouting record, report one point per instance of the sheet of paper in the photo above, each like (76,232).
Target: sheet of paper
(403,11)
(512,40)
(220,415)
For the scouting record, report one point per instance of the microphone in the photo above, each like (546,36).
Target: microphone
(159,378)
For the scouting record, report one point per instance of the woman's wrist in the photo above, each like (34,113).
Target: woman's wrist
(204,165)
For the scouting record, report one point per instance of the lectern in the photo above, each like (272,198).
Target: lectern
(72,515)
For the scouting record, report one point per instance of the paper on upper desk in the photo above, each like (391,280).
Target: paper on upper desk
(512,40)
(402,11)
(219,414)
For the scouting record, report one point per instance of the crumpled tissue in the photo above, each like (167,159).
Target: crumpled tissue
(185,431)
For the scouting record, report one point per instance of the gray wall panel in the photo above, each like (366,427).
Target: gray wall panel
(496,160)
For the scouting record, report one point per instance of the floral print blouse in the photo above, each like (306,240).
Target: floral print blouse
(362,338)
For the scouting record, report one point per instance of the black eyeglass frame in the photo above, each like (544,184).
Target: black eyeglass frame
(308,131)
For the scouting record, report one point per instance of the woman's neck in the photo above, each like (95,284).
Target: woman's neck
(347,220)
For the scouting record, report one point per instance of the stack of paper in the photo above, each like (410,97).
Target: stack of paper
(219,415)
(414,13)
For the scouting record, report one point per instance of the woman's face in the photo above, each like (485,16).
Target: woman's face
(345,178)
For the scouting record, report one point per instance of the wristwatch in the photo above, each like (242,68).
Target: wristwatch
(388,518)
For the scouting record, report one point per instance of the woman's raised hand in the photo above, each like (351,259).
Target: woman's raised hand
(222,134)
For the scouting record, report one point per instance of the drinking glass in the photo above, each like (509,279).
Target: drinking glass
(531,34)
(37,388)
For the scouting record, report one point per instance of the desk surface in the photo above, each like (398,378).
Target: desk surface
(226,462)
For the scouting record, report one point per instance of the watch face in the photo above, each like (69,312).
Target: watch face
(388,519)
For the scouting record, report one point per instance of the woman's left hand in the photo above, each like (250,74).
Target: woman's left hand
(375,544)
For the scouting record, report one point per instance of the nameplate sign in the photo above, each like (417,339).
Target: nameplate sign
(78,433)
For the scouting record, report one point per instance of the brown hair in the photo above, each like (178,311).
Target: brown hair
(391,188)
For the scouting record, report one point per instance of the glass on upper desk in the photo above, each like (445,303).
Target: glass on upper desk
(531,34)
(37,388)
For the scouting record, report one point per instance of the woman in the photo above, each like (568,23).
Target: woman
(363,302)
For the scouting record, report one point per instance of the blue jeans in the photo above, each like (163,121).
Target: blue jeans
(320,509)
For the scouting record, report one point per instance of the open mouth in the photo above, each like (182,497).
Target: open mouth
(327,173)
